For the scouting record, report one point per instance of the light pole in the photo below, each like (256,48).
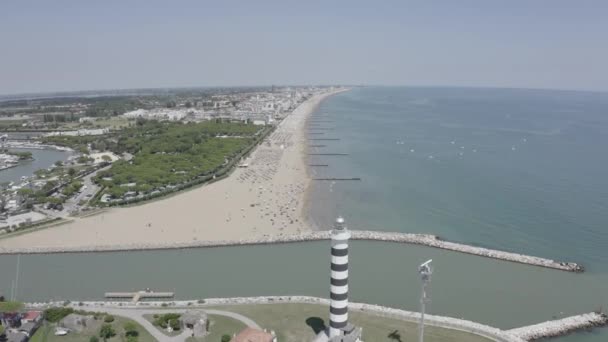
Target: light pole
(425,270)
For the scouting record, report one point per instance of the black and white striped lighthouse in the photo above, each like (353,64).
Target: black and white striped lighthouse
(338,310)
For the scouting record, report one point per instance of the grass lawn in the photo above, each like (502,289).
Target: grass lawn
(46,333)
(218,326)
(299,322)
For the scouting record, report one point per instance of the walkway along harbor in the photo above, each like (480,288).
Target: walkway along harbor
(527,333)
(404,238)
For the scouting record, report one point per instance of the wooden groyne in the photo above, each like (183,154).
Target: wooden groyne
(316,133)
(325,139)
(560,327)
(318,165)
(320,128)
(317,145)
(404,238)
(328,154)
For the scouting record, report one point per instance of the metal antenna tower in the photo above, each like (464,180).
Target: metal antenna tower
(425,270)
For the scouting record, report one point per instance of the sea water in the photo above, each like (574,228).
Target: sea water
(530,179)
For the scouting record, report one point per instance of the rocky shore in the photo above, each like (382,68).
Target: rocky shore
(405,238)
(560,327)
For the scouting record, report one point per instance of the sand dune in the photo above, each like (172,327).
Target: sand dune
(267,198)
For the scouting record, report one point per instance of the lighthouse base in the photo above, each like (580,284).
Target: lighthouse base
(350,333)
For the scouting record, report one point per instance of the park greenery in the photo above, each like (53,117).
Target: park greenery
(56,314)
(166,155)
(167,320)
(10,306)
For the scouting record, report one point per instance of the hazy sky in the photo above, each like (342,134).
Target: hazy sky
(76,45)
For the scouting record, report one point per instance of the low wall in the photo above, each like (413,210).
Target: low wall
(406,238)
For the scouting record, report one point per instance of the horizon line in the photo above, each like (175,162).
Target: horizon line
(74,93)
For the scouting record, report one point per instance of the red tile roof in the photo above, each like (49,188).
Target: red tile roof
(31,315)
(252,335)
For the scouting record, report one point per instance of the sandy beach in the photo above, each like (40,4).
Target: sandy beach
(267,198)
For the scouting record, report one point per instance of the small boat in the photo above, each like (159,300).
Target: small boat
(61,331)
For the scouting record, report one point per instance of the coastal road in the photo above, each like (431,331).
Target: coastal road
(88,190)
(138,316)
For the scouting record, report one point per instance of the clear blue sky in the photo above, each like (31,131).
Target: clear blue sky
(76,45)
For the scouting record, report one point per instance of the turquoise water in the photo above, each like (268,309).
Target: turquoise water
(519,170)
(535,184)
(531,177)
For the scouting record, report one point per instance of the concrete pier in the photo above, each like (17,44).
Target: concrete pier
(136,296)
(560,327)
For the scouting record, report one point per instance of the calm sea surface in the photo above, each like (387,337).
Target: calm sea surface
(519,170)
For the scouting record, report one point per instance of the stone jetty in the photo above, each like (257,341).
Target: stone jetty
(560,327)
(404,238)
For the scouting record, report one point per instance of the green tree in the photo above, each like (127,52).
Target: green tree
(174,324)
(72,172)
(106,158)
(108,319)
(106,332)
(10,306)
(131,329)
(54,315)
(226,338)
(58,163)
(93,339)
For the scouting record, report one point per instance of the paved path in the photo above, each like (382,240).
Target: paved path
(138,316)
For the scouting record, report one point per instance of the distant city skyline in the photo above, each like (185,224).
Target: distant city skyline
(74,46)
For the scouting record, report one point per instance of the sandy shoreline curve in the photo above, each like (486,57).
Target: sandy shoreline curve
(265,199)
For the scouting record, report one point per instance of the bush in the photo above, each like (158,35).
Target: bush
(226,338)
(106,331)
(93,339)
(108,319)
(131,329)
(54,315)
(165,320)
(174,324)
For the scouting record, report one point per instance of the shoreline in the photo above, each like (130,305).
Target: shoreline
(264,200)
(306,209)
